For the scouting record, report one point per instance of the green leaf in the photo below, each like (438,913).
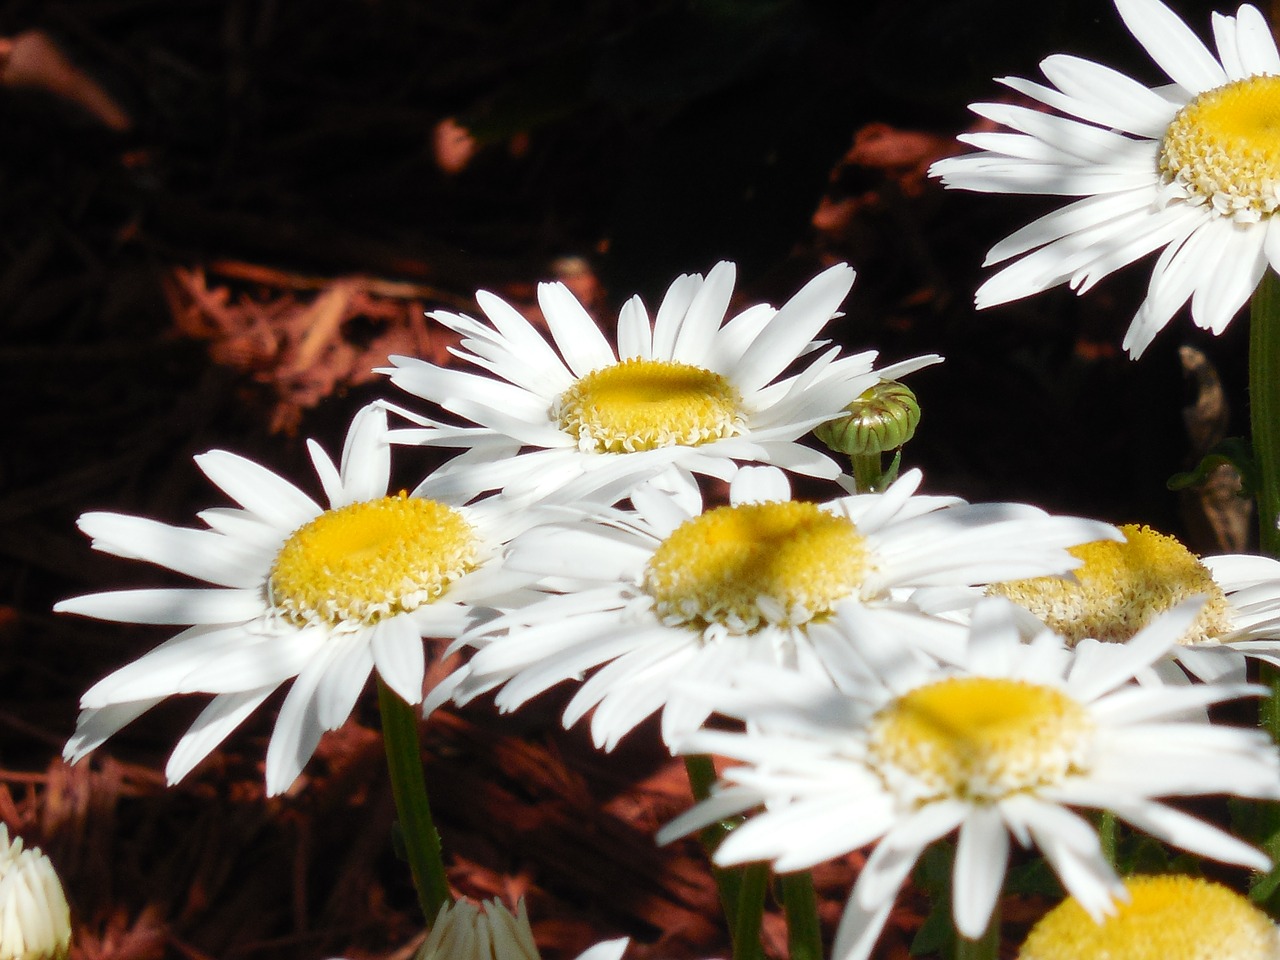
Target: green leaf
(1235,451)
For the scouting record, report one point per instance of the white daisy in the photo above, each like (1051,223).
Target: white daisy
(321,597)
(673,592)
(35,921)
(1192,167)
(1121,586)
(688,390)
(1001,746)
(1167,917)
(463,931)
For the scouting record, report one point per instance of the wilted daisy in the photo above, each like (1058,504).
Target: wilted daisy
(35,921)
(674,592)
(687,390)
(1121,586)
(1002,745)
(1169,917)
(463,931)
(1192,168)
(298,592)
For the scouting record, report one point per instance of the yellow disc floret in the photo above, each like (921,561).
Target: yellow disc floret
(747,566)
(978,738)
(1123,586)
(644,404)
(1166,918)
(1223,148)
(370,560)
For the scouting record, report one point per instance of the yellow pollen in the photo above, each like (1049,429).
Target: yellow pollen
(978,739)
(747,566)
(644,404)
(1223,148)
(1167,918)
(371,560)
(1121,587)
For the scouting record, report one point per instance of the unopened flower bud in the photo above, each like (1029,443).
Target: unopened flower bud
(35,921)
(883,418)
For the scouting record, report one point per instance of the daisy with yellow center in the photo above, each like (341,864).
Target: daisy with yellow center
(1168,917)
(592,416)
(1191,169)
(1121,586)
(999,745)
(672,592)
(319,596)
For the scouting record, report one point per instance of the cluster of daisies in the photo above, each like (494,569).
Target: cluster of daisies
(884,668)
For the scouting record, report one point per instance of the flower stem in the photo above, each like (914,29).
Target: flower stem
(868,472)
(730,882)
(1107,836)
(746,932)
(409,786)
(800,902)
(1264,407)
(987,946)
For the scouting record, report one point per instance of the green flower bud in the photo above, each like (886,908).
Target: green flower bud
(883,418)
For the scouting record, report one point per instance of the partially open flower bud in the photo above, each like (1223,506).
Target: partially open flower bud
(883,418)
(35,921)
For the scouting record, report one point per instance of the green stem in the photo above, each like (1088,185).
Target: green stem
(800,902)
(1264,407)
(409,787)
(987,946)
(702,776)
(868,472)
(746,932)
(1107,836)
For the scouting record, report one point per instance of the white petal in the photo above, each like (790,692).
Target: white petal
(982,854)
(579,340)
(705,314)
(168,606)
(366,457)
(1172,44)
(635,335)
(399,653)
(258,490)
(215,723)
(1255,42)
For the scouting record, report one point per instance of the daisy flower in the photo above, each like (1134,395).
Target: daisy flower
(35,921)
(463,931)
(687,390)
(1001,745)
(1169,917)
(1191,168)
(1121,586)
(298,592)
(673,592)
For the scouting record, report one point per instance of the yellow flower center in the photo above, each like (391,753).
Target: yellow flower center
(978,738)
(756,564)
(1167,918)
(1121,587)
(1223,148)
(644,404)
(371,560)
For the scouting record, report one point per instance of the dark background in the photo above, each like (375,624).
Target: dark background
(260,153)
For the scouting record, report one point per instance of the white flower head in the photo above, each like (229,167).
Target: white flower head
(35,921)
(1191,169)
(688,390)
(1121,586)
(463,931)
(674,592)
(297,592)
(1002,745)
(1170,917)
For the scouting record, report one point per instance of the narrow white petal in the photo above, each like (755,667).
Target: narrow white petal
(705,314)
(214,724)
(1224,35)
(579,340)
(366,457)
(330,477)
(1255,42)
(672,310)
(94,726)
(203,554)
(1190,833)
(1240,266)
(168,606)
(1172,44)
(298,728)
(258,490)
(350,664)
(398,652)
(635,335)
(982,854)
(1109,97)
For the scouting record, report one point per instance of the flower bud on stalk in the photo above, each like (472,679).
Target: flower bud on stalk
(882,419)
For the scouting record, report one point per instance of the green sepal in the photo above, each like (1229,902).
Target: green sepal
(1233,450)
